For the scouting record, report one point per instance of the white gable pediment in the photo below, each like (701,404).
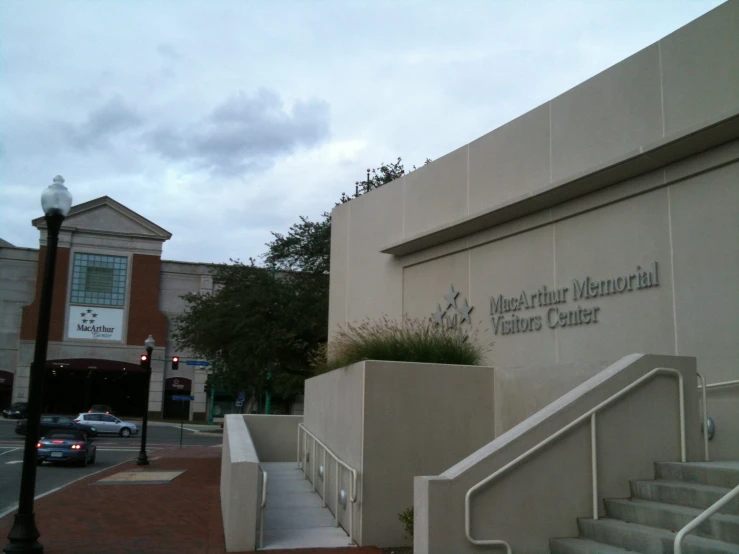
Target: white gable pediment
(105,215)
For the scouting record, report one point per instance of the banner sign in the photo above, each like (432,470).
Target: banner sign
(88,322)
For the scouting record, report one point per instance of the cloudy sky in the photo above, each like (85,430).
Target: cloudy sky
(224,120)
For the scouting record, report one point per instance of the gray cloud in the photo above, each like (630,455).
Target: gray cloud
(168,51)
(111,119)
(245,133)
(150,117)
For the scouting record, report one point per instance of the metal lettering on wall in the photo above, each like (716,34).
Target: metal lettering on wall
(89,322)
(504,310)
(458,315)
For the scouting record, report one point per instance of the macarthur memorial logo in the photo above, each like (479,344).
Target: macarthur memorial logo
(458,313)
(87,324)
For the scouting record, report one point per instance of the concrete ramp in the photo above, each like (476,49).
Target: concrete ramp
(295,516)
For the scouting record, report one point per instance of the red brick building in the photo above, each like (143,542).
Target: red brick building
(111,291)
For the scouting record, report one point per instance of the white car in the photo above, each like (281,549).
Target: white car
(106,423)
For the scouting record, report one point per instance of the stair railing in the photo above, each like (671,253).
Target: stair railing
(705,416)
(303,431)
(590,414)
(708,512)
(262,506)
(703,388)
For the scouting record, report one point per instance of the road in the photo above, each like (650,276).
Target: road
(111,449)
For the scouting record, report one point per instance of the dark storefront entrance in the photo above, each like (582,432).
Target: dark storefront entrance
(72,386)
(177,409)
(6,389)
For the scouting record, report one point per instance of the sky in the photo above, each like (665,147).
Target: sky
(223,121)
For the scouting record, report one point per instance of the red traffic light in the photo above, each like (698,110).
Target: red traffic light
(175,359)
(144,357)
(175,362)
(145,361)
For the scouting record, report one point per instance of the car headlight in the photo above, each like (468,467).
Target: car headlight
(93,429)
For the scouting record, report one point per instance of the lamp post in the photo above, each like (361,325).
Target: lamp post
(142,460)
(56,202)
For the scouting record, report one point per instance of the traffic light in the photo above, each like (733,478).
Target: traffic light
(175,362)
(145,361)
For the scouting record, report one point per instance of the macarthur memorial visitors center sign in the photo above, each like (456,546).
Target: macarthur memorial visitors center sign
(513,314)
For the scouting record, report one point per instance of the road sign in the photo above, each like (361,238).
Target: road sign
(183,398)
(197,362)
(242,397)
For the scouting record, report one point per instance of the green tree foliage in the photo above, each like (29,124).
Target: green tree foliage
(307,245)
(258,322)
(261,322)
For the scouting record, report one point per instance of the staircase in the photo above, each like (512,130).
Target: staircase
(648,522)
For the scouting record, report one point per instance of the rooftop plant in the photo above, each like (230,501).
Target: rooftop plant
(409,340)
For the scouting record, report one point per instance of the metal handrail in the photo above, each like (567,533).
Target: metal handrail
(705,415)
(720,384)
(263,506)
(590,414)
(327,450)
(708,512)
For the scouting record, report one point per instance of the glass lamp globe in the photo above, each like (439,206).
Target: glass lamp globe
(56,199)
(149,343)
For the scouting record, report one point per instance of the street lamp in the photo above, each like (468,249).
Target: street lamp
(56,202)
(142,460)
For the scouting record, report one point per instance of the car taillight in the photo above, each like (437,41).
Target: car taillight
(76,420)
(107,412)
(89,411)
(58,442)
(76,446)
(39,445)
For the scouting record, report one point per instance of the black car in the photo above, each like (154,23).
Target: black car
(54,423)
(18,410)
(66,447)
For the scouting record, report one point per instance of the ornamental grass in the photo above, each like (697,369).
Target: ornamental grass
(409,340)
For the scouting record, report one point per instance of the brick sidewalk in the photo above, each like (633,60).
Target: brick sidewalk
(182,517)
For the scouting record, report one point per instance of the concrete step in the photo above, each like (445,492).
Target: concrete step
(722,527)
(717,474)
(683,494)
(648,540)
(583,546)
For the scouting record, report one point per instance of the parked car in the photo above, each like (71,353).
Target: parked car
(105,423)
(61,446)
(18,410)
(100,409)
(56,423)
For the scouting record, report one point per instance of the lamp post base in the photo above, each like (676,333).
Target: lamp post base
(24,536)
(142,460)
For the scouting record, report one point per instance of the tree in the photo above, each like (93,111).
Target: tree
(307,245)
(273,319)
(256,324)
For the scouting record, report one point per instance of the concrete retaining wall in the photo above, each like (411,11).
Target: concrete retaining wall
(391,421)
(274,436)
(239,486)
(543,496)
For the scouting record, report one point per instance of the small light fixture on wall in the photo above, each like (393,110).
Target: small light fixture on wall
(320,471)
(711,428)
(342,498)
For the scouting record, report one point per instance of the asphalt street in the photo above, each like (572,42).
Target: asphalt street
(111,450)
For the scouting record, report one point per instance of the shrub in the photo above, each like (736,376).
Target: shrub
(406,518)
(410,340)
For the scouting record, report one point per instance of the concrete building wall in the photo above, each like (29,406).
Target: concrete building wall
(390,421)
(636,166)
(18,268)
(176,280)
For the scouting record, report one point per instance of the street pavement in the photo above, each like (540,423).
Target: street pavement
(111,449)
